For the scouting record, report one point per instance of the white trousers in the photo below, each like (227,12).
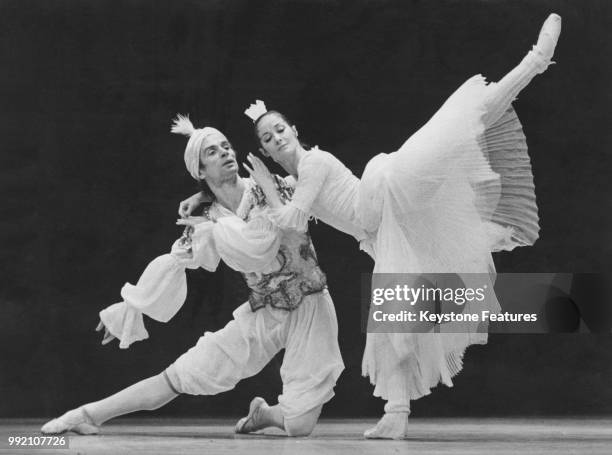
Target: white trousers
(311,365)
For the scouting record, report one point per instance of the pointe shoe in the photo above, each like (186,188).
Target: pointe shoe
(549,35)
(393,425)
(251,422)
(74,420)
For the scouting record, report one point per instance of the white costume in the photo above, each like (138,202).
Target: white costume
(458,189)
(289,307)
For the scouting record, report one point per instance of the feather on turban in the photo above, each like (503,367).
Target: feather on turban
(182,125)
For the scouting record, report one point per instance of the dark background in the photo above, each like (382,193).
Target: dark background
(91,177)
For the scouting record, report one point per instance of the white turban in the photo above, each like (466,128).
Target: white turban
(182,125)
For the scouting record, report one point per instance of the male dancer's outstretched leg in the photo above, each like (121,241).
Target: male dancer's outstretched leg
(147,395)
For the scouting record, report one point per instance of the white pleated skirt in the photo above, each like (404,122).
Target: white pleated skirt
(458,189)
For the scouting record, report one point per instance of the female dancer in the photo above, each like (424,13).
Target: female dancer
(289,306)
(458,189)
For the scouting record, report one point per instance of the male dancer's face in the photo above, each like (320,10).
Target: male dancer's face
(217,159)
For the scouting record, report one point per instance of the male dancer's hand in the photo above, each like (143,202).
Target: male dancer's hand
(187,206)
(108,337)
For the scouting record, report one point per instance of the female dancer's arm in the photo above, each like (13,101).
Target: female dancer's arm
(313,171)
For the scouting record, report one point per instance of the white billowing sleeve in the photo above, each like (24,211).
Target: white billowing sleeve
(248,246)
(312,174)
(161,289)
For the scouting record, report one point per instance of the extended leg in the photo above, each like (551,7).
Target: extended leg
(146,395)
(217,362)
(149,394)
(535,62)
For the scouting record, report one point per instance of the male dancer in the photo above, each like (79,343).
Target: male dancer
(289,306)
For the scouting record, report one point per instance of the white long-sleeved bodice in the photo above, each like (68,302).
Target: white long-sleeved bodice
(328,191)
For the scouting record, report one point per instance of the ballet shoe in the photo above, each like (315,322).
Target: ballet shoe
(549,35)
(252,422)
(75,421)
(392,425)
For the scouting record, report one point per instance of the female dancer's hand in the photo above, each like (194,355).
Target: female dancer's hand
(187,206)
(264,180)
(108,337)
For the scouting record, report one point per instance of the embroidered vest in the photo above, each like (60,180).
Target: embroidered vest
(299,274)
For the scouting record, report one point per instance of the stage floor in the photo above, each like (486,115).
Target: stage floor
(498,436)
